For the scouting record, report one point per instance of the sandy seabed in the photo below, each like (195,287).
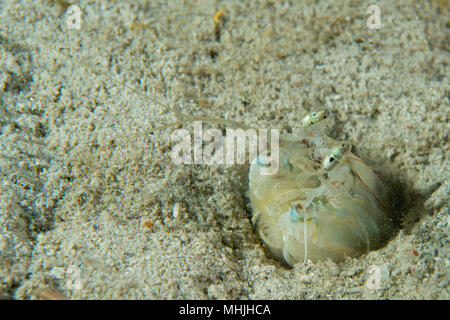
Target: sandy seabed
(83,191)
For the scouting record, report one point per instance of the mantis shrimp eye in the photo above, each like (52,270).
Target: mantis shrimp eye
(334,156)
(303,213)
(314,117)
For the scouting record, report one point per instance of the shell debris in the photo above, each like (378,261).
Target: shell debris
(177,212)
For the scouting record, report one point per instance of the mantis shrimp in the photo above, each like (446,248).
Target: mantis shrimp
(324,202)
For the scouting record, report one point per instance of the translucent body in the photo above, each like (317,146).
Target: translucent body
(345,208)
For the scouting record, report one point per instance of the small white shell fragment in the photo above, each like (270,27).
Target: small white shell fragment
(176,211)
(311,210)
